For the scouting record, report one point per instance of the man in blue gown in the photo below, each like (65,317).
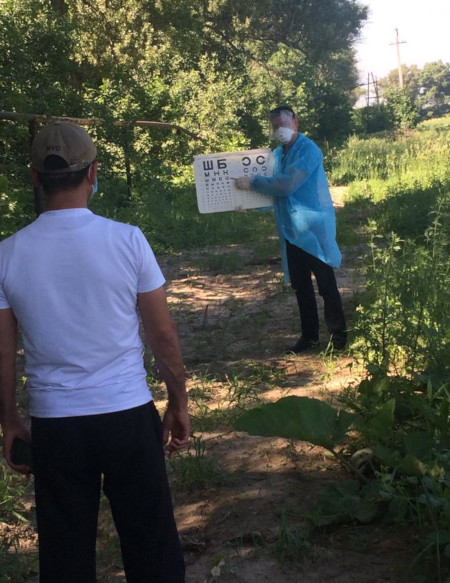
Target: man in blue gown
(305,220)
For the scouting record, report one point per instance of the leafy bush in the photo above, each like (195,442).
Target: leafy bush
(402,110)
(372,119)
(403,320)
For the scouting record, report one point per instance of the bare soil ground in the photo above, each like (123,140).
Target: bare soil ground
(234,328)
(247,318)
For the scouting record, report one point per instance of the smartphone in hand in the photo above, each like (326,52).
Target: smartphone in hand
(21,454)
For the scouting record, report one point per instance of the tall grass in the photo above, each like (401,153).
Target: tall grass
(421,156)
(397,179)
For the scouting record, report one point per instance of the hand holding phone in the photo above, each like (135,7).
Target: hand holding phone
(21,454)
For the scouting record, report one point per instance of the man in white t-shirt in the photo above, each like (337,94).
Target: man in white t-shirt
(75,283)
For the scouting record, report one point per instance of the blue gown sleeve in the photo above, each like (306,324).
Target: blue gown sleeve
(281,184)
(295,172)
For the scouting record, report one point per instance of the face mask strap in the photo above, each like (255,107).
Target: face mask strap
(89,173)
(94,184)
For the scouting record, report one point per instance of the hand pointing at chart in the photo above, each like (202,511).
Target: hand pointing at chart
(243,183)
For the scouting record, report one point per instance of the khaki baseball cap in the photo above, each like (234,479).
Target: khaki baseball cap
(67,140)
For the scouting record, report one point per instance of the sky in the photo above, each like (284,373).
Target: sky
(423,24)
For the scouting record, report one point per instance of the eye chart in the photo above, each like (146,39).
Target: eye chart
(213,179)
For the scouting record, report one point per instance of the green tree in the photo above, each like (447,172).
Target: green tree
(434,88)
(290,51)
(36,77)
(213,66)
(410,80)
(402,109)
(37,69)
(428,87)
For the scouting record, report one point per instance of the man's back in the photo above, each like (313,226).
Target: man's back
(75,282)
(72,279)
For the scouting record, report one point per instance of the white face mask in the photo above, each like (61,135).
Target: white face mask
(284,135)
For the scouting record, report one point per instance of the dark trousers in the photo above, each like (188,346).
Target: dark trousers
(301,267)
(70,456)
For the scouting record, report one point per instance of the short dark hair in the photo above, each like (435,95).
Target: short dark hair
(281,108)
(55,182)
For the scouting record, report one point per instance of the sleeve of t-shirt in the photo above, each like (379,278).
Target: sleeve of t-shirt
(4,304)
(150,276)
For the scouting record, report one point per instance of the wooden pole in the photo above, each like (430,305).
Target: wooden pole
(397,44)
(399,62)
(377,96)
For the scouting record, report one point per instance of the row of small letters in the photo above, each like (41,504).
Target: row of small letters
(222,168)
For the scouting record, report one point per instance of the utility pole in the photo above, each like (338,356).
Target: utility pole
(377,95)
(368,91)
(397,43)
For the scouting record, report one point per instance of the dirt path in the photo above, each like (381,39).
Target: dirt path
(231,532)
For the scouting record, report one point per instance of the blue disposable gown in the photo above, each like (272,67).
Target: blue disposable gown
(304,211)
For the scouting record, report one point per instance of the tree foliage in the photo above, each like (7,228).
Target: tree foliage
(410,82)
(428,88)
(434,88)
(213,66)
(63,54)
(402,110)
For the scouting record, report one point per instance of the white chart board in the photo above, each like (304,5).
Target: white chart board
(214,182)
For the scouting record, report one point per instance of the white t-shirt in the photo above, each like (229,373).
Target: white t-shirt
(72,279)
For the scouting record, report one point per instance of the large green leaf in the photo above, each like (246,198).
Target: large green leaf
(420,444)
(407,464)
(299,418)
(343,502)
(412,466)
(380,426)
(388,457)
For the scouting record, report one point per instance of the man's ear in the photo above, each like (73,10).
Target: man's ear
(92,174)
(34,177)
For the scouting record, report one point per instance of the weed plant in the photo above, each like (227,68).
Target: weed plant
(403,341)
(293,545)
(395,180)
(12,489)
(194,471)
(16,565)
(234,391)
(403,321)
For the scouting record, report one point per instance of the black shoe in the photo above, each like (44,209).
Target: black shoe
(338,342)
(302,345)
